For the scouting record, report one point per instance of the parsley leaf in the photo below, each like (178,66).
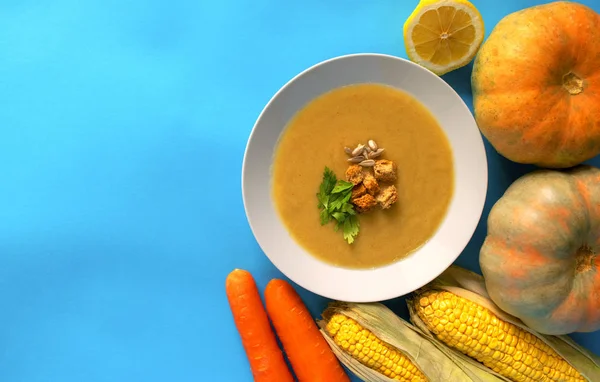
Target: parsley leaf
(334,202)
(349,209)
(339,201)
(325,217)
(342,186)
(351,227)
(340,217)
(327,185)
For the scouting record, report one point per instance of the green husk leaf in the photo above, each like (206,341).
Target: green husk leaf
(458,276)
(400,334)
(583,361)
(471,286)
(593,357)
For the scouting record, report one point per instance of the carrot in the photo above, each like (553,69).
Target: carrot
(308,352)
(259,341)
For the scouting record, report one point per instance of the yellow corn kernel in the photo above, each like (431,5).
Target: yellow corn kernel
(376,354)
(501,346)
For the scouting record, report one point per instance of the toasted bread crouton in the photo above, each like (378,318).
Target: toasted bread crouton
(387,197)
(354,174)
(364,203)
(385,170)
(371,184)
(358,191)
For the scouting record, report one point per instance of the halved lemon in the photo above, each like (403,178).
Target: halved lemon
(443,35)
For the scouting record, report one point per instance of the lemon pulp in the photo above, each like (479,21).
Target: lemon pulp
(443,35)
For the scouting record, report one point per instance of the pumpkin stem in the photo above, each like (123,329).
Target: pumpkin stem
(584,259)
(572,83)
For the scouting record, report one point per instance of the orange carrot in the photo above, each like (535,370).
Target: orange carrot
(308,352)
(259,341)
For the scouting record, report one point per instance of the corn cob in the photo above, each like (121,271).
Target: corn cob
(369,350)
(501,346)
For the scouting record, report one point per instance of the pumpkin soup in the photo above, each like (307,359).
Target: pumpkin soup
(362,176)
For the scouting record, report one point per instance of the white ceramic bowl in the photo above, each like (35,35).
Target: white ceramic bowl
(430,260)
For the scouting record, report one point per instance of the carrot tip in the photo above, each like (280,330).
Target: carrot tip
(237,272)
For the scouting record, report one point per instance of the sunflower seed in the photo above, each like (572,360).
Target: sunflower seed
(348,150)
(375,154)
(359,149)
(367,163)
(357,159)
(367,149)
(373,145)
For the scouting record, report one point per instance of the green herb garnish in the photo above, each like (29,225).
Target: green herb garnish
(334,202)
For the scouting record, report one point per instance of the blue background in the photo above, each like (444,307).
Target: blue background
(123,126)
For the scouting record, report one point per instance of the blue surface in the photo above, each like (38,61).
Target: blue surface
(123,126)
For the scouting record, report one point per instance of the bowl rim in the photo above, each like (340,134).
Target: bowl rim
(387,293)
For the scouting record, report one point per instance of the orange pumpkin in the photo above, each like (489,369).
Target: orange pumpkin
(541,257)
(536,85)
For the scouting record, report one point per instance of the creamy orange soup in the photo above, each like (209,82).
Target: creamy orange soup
(316,138)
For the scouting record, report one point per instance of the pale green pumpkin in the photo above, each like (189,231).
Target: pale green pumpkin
(541,257)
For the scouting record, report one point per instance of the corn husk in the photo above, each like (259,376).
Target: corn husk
(471,286)
(395,331)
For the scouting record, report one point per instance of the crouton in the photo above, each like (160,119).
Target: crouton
(387,197)
(371,184)
(364,203)
(385,170)
(354,174)
(358,191)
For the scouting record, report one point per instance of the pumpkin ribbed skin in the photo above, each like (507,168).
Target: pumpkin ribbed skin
(541,257)
(536,85)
